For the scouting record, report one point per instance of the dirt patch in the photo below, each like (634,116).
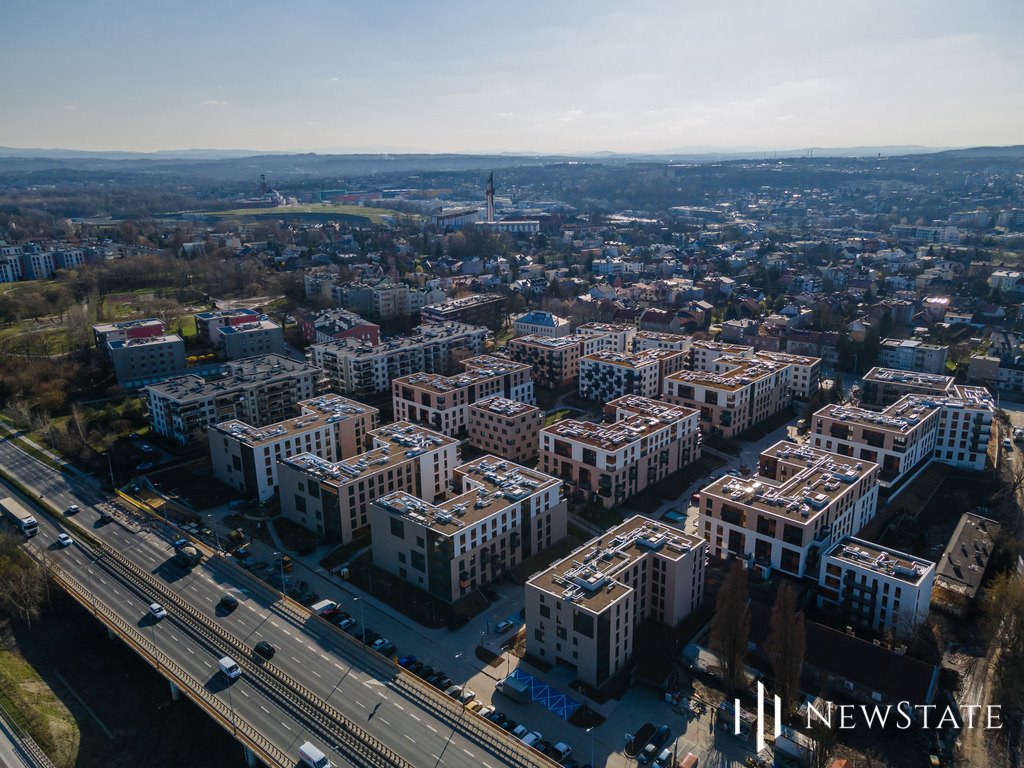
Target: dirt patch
(488,657)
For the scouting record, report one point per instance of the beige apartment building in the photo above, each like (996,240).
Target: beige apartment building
(703,354)
(330,427)
(582,611)
(619,336)
(806,375)
(555,361)
(884,386)
(498,515)
(735,395)
(801,501)
(611,462)
(442,402)
(506,428)
(333,499)
(605,375)
(658,340)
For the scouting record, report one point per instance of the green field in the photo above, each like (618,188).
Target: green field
(316,209)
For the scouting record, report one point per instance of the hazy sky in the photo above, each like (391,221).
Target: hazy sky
(552,76)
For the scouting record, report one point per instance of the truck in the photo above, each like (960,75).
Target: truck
(185,554)
(514,688)
(313,757)
(18,517)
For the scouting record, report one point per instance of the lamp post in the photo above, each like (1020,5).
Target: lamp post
(213,525)
(590,730)
(461,658)
(280,565)
(362,621)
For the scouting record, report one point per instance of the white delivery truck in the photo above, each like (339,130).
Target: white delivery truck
(313,757)
(229,668)
(323,606)
(19,517)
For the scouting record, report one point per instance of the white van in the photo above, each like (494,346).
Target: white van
(532,738)
(229,668)
(313,757)
(323,606)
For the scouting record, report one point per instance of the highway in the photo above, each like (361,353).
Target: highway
(317,681)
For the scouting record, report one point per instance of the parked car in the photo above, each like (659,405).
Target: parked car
(106,517)
(265,649)
(143,466)
(330,613)
(444,683)
(664,760)
(348,625)
(498,718)
(1018,434)
(520,730)
(383,646)
(406,661)
(560,751)
(503,626)
(486,711)
(424,671)
(475,707)
(146,448)
(157,611)
(532,739)
(228,603)
(655,745)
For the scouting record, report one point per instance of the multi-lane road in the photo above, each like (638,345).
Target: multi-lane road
(125,571)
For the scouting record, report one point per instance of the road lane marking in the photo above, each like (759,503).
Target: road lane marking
(431,727)
(316,673)
(244,693)
(467,752)
(117,593)
(296,660)
(190,650)
(207,663)
(410,738)
(361,704)
(285,725)
(414,717)
(400,707)
(264,709)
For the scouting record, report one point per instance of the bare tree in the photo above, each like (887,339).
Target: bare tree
(22,582)
(730,626)
(786,644)
(826,744)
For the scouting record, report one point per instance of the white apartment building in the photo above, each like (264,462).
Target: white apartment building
(658,340)
(606,375)
(258,391)
(912,355)
(876,587)
(582,612)
(331,427)
(498,514)
(538,323)
(209,324)
(800,502)
(618,337)
(611,462)
(360,369)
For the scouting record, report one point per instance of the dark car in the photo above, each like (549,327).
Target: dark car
(265,649)
(444,683)
(370,637)
(228,603)
(424,671)
(498,718)
(413,667)
(309,599)
(654,746)
(330,613)
(509,724)
(434,676)
(406,661)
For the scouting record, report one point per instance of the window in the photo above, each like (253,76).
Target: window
(397,528)
(418,561)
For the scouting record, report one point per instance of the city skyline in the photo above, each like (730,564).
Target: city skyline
(566,78)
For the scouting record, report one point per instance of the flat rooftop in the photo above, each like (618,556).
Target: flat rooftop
(962,565)
(881,560)
(632,359)
(395,443)
(610,437)
(744,371)
(785,357)
(729,349)
(605,327)
(903,416)
(253,327)
(240,374)
(502,406)
(645,406)
(424,335)
(493,485)
(332,404)
(464,302)
(226,313)
(440,384)
(821,478)
(125,325)
(495,365)
(146,341)
(588,577)
(561,342)
(674,338)
(909,344)
(931,381)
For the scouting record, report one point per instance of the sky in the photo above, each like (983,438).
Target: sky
(558,76)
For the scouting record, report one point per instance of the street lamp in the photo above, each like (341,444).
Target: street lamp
(213,524)
(280,564)
(461,658)
(590,730)
(362,621)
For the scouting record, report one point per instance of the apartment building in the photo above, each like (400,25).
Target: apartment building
(361,369)
(37,264)
(658,340)
(383,300)
(209,324)
(801,501)
(738,393)
(146,359)
(605,375)
(258,391)
(703,354)
(333,499)
(583,610)
(618,337)
(609,463)
(322,326)
(1000,373)
(330,427)
(912,432)
(442,402)
(123,331)
(912,355)
(504,427)
(806,376)
(875,587)
(555,361)
(261,337)
(487,309)
(538,323)
(498,515)
(10,267)
(882,387)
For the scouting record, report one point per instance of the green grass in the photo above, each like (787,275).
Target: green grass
(324,209)
(37,710)
(561,413)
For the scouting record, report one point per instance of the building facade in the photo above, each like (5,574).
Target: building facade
(606,375)
(583,610)
(555,361)
(801,501)
(507,428)
(912,355)
(209,324)
(476,309)
(261,337)
(498,515)
(146,359)
(539,323)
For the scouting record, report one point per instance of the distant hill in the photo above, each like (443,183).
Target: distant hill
(1014,150)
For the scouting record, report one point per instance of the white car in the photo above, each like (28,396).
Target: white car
(72,510)
(64,540)
(157,611)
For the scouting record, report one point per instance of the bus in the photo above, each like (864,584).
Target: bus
(19,517)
